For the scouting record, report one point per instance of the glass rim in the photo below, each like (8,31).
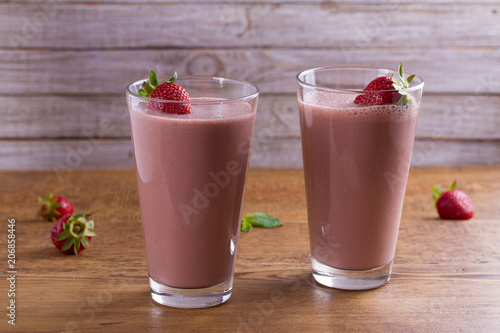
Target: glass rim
(301,82)
(197,102)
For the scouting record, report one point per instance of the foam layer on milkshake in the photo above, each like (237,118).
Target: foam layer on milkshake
(203,109)
(344,106)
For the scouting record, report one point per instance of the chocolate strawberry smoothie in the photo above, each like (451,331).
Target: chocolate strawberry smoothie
(356,162)
(191,172)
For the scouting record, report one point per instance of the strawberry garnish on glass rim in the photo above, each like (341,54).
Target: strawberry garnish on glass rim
(168,91)
(384,87)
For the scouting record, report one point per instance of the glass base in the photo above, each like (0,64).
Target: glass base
(351,279)
(191,298)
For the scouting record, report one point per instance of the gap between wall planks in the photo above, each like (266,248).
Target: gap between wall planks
(63,87)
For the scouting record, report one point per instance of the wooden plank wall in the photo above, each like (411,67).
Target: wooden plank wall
(64,66)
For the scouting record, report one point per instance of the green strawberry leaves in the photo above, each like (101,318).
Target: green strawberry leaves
(173,78)
(401,85)
(76,231)
(48,208)
(438,191)
(259,220)
(154,81)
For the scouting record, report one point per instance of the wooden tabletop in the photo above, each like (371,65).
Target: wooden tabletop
(446,274)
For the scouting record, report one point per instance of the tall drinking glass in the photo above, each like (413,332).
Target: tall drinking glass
(356,162)
(191,172)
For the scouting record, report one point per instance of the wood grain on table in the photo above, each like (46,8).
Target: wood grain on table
(446,275)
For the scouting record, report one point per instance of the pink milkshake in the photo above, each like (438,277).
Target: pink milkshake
(356,162)
(191,172)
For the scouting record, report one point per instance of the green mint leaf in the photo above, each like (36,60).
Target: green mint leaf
(262,220)
(154,79)
(245,226)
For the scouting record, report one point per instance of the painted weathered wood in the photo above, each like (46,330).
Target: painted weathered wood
(276,2)
(452,117)
(65,155)
(59,116)
(65,64)
(397,24)
(278,151)
(273,70)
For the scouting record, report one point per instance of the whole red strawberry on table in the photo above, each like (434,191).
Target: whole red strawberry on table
(72,234)
(452,204)
(169,91)
(53,207)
